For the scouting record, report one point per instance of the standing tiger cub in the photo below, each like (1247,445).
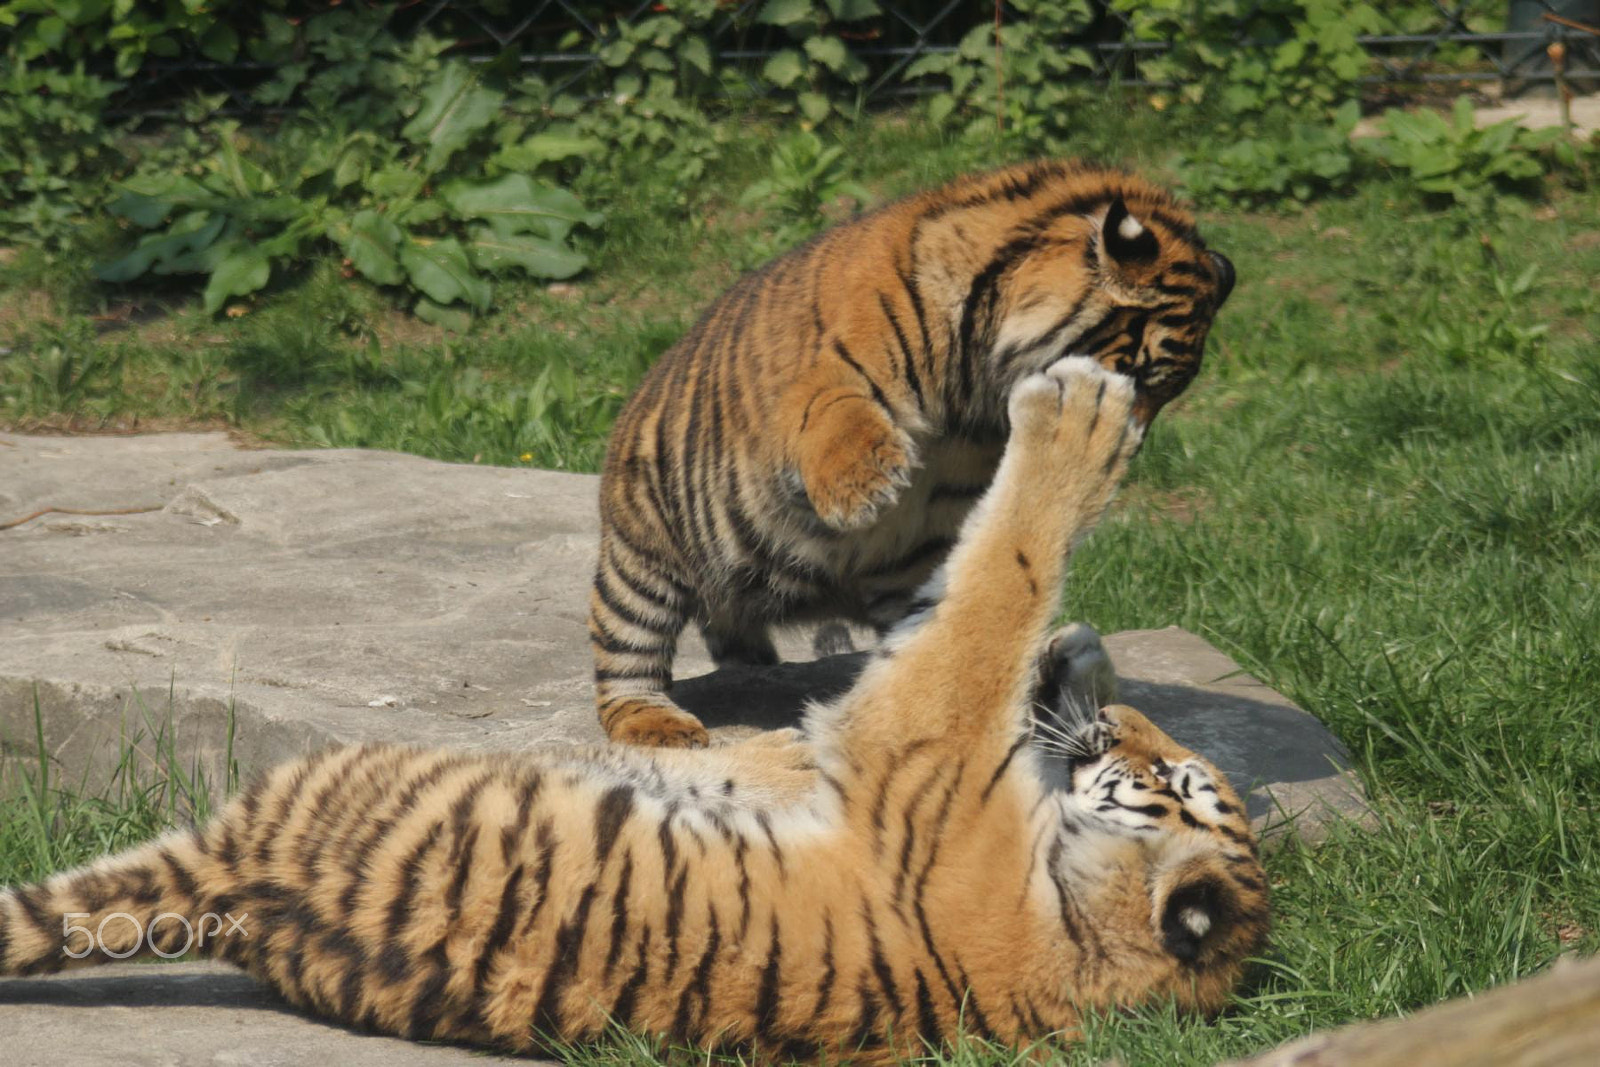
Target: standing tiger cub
(918,861)
(807,452)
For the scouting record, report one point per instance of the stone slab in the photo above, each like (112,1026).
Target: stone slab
(344,595)
(188,1015)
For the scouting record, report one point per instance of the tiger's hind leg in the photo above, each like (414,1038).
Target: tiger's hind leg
(1076,677)
(634,622)
(737,641)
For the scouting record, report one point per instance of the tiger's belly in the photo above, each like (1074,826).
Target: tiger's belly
(869,575)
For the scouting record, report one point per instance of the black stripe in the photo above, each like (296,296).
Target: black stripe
(619,914)
(994,779)
(934,547)
(766,1010)
(622,1008)
(545,846)
(613,810)
(929,1030)
(700,986)
(880,801)
(908,839)
(675,897)
(499,934)
(908,361)
(764,821)
(626,614)
(880,966)
(877,394)
(829,971)
(563,964)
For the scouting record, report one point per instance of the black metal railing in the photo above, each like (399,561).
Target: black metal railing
(560,40)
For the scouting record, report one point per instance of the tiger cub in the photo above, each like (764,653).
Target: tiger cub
(808,450)
(914,862)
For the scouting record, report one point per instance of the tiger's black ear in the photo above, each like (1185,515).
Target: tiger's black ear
(1126,239)
(1224,269)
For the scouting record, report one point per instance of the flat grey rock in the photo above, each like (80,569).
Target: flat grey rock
(188,1015)
(347,595)
(350,595)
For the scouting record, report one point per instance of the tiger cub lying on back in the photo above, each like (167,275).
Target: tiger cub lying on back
(807,452)
(913,861)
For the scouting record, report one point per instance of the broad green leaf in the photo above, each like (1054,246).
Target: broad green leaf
(514,203)
(814,106)
(454,319)
(189,234)
(373,245)
(933,63)
(829,51)
(784,68)
(454,108)
(784,12)
(538,256)
(241,271)
(695,52)
(220,43)
(441,270)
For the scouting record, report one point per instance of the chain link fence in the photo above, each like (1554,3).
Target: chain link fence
(561,41)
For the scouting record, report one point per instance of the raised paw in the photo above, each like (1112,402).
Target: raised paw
(1079,411)
(654,726)
(854,462)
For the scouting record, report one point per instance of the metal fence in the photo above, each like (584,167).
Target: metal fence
(560,41)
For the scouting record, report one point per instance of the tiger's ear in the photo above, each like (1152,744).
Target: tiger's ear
(1126,239)
(1192,912)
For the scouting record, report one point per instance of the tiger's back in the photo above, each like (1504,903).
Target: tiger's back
(809,449)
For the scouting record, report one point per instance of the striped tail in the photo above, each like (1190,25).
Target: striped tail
(143,902)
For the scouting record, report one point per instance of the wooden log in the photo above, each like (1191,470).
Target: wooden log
(1551,1020)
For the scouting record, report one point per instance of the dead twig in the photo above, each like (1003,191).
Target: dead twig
(76,511)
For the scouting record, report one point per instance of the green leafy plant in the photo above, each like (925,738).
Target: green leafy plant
(393,205)
(1253,57)
(1028,83)
(805,177)
(1452,158)
(1497,328)
(55,151)
(819,62)
(1301,162)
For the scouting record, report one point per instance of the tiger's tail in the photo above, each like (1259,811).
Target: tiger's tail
(147,901)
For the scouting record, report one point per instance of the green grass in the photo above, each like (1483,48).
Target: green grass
(1382,496)
(47,824)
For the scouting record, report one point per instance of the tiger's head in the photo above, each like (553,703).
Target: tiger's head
(1128,282)
(1156,851)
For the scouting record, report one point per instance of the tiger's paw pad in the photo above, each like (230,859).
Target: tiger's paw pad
(1078,676)
(661,728)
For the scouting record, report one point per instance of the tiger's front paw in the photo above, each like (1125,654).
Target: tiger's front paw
(1079,412)
(854,462)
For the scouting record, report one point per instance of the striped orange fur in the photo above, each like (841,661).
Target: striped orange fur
(918,860)
(808,450)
